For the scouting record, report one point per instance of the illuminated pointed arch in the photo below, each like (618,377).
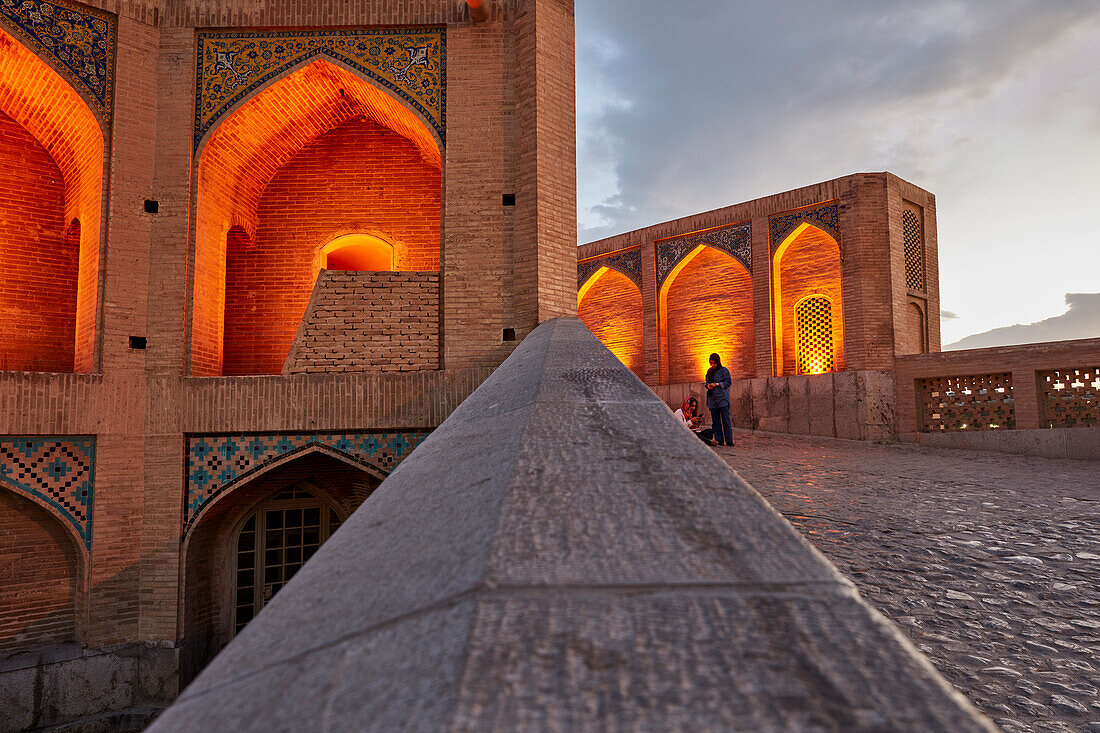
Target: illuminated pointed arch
(779,316)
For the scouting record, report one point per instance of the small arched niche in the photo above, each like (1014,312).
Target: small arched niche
(357,253)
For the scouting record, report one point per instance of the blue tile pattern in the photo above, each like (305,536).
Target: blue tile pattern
(825,217)
(79,39)
(409,62)
(627,262)
(216,462)
(735,240)
(58,470)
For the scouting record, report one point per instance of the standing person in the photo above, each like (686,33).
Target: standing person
(718,400)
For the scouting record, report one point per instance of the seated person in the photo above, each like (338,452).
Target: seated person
(689,418)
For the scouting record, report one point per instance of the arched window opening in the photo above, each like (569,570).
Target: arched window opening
(275,541)
(358,253)
(814,317)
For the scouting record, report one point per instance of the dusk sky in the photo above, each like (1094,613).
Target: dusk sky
(992,105)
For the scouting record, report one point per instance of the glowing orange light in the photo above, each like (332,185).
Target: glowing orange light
(357,252)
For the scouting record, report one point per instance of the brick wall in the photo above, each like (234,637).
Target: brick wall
(358,177)
(612,310)
(39,100)
(38,259)
(369,321)
(165,276)
(1024,362)
(809,265)
(39,576)
(708,308)
(240,161)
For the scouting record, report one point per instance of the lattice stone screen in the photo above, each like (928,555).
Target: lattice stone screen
(914,251)
(1071,397)
(814,318)
(974,402)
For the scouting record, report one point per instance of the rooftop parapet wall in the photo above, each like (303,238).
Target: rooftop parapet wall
(557,555)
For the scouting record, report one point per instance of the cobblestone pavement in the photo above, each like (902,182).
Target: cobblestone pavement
(990,563)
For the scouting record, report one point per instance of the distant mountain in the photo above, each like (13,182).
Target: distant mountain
(1081,320)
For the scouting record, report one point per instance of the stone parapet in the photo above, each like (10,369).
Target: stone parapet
(560,554)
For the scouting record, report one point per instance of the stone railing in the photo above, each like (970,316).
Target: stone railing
(560,554)
(1042,399)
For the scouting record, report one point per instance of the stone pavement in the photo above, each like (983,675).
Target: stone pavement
(990,563)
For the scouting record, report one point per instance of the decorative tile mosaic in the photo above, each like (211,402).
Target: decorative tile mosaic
(81,40)
(825,217)
(627,262)
(734,240)
(216,462)
(58,470)
(410,62)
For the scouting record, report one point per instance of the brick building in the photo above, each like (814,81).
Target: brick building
(253,252)
(824,304)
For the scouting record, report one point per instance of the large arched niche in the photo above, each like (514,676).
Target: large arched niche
(318,153)
(42,566)
(210,547)
(52,155)
(610,305)
(705,307)
(806,264)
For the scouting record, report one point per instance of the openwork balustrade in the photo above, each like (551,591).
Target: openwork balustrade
(973,402)
(1070,397)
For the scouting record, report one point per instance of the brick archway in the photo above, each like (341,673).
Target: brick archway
(208,554)
(806,263)
(706,306)
(610,304)
(320,148)
(48,312)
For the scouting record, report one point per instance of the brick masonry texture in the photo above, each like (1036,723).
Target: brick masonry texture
(359,160)
(614,313)
(39,260)
(853,251)
(369,321)
(356,178)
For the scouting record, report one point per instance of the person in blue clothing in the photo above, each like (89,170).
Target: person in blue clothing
(718,400)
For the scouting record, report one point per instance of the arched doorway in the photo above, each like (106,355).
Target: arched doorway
(706,307)
(275,513)
(807,307)
(345,158)
(274,541)
(610,305)
(51,152)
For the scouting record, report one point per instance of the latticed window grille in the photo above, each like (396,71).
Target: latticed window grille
(274,543)
(914,250)
(974,402)
(814,317)
(1071,397)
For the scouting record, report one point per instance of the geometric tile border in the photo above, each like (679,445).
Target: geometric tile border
(80,40)
(57,470)
(627,262)
(410,62)
(825,217)
(217,462)
(734,240)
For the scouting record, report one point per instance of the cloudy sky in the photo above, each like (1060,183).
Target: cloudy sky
(993,105)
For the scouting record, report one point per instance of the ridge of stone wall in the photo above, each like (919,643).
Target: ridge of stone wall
(485,586)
